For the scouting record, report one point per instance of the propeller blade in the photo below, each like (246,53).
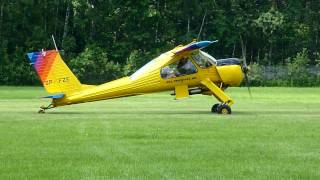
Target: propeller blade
(248,83)
(246,70)
(245,62)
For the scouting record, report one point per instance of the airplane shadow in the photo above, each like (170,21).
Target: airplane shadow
(129,112)
(200,112)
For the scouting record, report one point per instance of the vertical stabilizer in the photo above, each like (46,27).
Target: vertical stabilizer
(54,74)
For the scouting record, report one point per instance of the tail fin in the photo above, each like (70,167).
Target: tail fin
(55,75)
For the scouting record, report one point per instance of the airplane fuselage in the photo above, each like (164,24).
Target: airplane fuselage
(185,70)
(227,75)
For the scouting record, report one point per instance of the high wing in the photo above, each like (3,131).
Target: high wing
(195,46)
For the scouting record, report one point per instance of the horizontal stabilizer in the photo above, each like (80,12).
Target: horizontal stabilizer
(196,45)
(55,96)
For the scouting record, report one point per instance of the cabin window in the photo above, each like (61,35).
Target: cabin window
(179,68)
(204,60)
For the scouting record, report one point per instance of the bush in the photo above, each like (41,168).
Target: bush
(131,63)
(93,66)
(298,71)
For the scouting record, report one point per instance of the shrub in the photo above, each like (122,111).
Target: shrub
(131,64)
(93,66)
(298,71)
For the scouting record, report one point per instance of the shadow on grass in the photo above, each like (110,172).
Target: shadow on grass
(204,112)
(276,113)
(129,112)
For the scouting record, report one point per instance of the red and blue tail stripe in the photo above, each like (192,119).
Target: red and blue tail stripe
(42,62)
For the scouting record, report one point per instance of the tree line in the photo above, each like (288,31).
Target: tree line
(103,40)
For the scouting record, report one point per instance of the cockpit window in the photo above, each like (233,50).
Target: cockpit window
(204,60)
(179,68)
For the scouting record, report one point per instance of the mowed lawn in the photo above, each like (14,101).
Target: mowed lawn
(274,135)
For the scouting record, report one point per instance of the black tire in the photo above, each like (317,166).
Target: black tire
(214,108)
(224,109)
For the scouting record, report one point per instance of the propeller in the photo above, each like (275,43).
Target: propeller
(245,70)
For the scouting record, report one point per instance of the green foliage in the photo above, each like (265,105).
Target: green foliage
(270,21)
(300,60)
(131,64)
(297,69)
(298,72)
(266,32)
(255,74)
(92,65)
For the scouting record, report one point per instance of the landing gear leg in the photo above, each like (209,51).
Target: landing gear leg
(226,101)
(43,109)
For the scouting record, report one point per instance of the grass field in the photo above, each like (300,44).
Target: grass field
(274,135)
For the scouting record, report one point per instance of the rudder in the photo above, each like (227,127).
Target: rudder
(54,74)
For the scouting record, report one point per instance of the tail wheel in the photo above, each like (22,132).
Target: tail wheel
(41,111)
(224,109)
(214,108)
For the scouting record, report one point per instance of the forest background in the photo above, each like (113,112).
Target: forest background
(104,40)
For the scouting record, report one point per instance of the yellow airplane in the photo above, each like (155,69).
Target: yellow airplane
(185,69)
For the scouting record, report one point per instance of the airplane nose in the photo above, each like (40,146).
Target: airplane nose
(230,71)
(228,61)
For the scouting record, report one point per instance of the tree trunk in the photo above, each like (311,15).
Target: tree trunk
(188,26)
(66,23)
(258,59)
(234,49)
(282,52)
(56,20)
(274,4)
(203,19)
(157,24)
(93,23)
(1,17)
(243,48)
(93,29)
(45,16)
(316,46)
(270,53)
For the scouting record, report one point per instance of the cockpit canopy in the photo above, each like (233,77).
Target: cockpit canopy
(204,60)
(185,65)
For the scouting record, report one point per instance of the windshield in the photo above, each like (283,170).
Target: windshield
(142,70)
(204,60)
(179,68)
(150,66)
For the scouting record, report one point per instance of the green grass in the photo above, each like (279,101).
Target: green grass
(274,135)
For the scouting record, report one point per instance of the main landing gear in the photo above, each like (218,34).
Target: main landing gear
(43,109)
(221,109)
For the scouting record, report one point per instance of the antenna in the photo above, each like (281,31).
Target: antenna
(204,17)
(54,42)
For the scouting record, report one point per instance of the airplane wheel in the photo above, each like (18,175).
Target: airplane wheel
(224,109)
(214,108)
(41,111)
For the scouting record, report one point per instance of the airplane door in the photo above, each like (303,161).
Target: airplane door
(182,67)
(180,75)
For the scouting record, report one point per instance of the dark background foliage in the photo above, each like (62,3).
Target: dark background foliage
(104,40)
